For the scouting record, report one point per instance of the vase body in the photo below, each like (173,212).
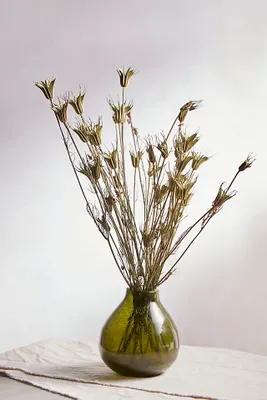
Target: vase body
(139,338)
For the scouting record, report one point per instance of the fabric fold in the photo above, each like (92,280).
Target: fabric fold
(75,370)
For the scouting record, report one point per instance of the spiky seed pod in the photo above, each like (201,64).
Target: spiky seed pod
(125,76)
(47,87)
(77,103)
(60,110)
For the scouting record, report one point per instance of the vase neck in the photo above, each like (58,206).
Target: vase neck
(142,295)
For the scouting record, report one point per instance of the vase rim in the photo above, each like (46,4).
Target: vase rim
(142,291)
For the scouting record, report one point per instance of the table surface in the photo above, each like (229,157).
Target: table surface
(12,390)
(75,368)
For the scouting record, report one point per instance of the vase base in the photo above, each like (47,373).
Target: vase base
(139,365)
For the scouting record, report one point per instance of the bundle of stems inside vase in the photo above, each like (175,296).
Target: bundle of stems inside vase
(140,334)
(137,196)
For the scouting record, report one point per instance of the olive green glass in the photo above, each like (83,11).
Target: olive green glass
(139,338)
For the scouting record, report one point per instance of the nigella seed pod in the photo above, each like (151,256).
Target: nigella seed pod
(151,154)
(120,111)
(247,163)
(84,170)
(182,159)
(191,141)
(221,198)
(187,199)
(114,158)
(163,148)
(47,87)
(151,169)
(82,131)
(111,159)
(95,134)
(136,158)
(96,170)
(125,76)
(190,106)
(77,103)
(61,111)
(197,160)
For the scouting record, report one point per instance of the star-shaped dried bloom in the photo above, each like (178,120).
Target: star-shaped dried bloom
(125,76)
(198,160)
(77,103)
(60,110)
(190,106)
(47,87)
(247,163)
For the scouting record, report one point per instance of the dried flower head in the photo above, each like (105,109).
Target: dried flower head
(184,143)
(120,111)
(125,76)
(77,103)
(160,193)
(47,87)
(222,196)
(111,159)
(84,169)
(174,181)
(153,169)
(247,163)
(95,133)
(197,160)
(136,158)
(60,110)
(82,131)
(151,154)
(96,169)
(182,160)
(163,148)
(190,106)
(186,199)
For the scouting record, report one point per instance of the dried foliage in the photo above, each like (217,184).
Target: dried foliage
(163,176)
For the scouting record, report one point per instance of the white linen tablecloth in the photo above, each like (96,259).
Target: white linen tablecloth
(75,370)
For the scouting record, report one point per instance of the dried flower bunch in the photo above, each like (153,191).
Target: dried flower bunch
(138,211)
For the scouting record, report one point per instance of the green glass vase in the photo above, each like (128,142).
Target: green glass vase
(139,338)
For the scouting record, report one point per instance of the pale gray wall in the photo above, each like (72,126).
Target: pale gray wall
(57,278)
